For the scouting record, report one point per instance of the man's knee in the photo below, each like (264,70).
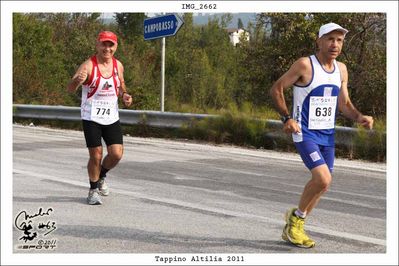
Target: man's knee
(322,177)
(116,156)
(116,152)
(324,183)
(96,154)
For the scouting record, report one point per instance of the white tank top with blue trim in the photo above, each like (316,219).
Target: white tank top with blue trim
(315,105)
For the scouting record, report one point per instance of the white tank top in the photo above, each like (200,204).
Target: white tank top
(100,96)
(315,105)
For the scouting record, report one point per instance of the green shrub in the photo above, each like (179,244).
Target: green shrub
(371,144)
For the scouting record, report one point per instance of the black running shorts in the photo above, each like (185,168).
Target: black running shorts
(112,134)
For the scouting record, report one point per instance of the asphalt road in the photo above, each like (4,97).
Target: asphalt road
(182,197)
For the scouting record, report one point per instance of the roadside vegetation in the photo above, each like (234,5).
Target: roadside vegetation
(205,73)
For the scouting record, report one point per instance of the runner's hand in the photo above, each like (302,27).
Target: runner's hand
(366,121)
(127,99)
(81,77)
(291,127)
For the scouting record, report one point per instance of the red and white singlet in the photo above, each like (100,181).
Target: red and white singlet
(100,96)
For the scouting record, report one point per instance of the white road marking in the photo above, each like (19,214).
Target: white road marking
(341,192)
(340,164)
(317,229)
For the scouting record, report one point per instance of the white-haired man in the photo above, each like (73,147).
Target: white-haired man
(320,89)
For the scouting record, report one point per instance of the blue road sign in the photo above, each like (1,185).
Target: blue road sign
(162,26)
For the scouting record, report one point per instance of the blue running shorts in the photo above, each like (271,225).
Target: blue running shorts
(313,154)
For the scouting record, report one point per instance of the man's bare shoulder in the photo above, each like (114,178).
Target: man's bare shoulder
(87,65)
(118,62)
(120,65)
(343,70)
(302,65)
(341,65)
(88,62)
(303,62)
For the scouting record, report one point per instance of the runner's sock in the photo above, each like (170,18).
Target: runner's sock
(94,185)
(300,214)
(103,172)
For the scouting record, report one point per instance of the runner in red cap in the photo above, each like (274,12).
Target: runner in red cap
(101,77)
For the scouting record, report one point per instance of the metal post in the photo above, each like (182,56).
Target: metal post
(163,75)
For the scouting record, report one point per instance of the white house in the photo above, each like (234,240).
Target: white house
(235,35)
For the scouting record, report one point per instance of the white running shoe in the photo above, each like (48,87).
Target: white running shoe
(94,197)
(103,187)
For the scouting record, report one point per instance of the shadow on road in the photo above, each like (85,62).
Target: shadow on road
(161,241)
(49,199)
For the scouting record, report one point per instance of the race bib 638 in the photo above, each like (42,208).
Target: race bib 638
(322,112)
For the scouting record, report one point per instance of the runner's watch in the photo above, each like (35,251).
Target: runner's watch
(285,118)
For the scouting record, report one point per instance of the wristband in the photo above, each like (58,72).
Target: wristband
(285,118)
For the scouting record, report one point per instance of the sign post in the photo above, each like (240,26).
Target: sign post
(163,76)
(161,27)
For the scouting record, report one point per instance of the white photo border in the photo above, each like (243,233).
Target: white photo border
(388,7)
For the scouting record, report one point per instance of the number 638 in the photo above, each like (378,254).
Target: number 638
(323,111)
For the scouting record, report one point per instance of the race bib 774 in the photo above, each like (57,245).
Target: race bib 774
(103,110)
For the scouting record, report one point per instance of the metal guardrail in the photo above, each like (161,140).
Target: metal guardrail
(344,135)
(127,117)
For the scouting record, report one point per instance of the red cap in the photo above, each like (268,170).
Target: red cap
(107,36)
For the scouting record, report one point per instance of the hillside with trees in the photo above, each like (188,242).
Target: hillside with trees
(204,72)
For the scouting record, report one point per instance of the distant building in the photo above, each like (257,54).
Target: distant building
(235,35)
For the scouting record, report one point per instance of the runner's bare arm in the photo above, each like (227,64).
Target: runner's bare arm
(296,73)
(126,98)
(345,104)
(293,75)
(81,75)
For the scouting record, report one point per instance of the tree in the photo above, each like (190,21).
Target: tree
(38,72)
(131,25)
(240,25)
(281,38)
(203,69)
